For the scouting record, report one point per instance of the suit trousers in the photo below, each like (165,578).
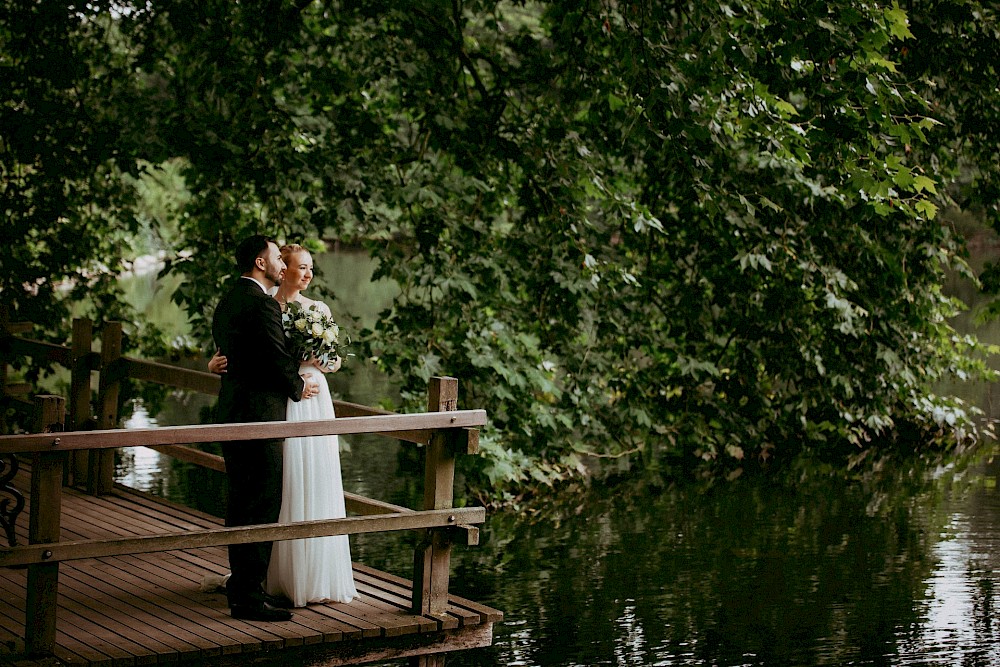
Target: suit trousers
(254,473)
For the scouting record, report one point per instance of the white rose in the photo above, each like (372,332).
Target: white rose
(330,336)
(300,324)
(317,329)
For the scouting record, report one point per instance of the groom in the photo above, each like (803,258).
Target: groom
(262,375)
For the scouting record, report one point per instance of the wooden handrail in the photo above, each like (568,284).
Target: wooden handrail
(41,350)
(172,376)
(208,383)
(367,506)
(193,455)
(55,552)
(172,435)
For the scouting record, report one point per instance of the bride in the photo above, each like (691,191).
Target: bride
(316,569)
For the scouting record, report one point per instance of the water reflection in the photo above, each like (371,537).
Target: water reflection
(757,573)
(960,610)
(140,466)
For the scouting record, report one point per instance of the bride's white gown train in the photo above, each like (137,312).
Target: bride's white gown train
(317,569)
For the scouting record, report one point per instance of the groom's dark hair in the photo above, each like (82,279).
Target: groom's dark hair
(249,250)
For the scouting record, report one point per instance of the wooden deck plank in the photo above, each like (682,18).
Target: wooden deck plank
(93,647)
(95,638)
(378,602)
(12,631)
(200,622)
(470,613)
(61,651)
(402,596)
(11,620)
(120,631)
(271,635)
(361,628)
(207,561)
(390,625)
(322,631)
(143,612)
(8,637)
(112,522)
(163,612)
(348,630)
(143,515)
(162,506)
(396,622)
(351,627)
(312,624)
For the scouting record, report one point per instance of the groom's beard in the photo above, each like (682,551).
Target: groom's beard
(275,278)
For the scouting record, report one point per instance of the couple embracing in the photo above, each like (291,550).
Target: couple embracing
(272,481)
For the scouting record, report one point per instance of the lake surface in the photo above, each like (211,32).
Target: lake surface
(901,571)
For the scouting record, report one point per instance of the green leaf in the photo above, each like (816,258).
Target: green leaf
(921,183)
(898,23)
(785,108)
(927,208)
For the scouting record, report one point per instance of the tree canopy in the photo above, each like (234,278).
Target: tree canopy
(676,234)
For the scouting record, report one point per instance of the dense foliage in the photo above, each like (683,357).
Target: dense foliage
(66,206)
(669,233)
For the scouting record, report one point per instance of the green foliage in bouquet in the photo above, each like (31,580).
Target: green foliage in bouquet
(312,333)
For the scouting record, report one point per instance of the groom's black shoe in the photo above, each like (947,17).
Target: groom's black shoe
(279,601)
(259,611)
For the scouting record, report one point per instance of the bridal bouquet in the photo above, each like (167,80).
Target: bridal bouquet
(311,333)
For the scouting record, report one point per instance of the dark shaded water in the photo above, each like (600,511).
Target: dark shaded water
(903,571)
(753,574)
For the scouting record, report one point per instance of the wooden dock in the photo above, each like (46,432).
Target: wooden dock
(92,573)
(149,608)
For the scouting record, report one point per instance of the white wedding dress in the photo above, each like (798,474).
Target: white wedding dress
(317,569)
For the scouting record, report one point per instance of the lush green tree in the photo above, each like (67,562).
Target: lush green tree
(699,232)
(952,61)
(66,208)
(672,234)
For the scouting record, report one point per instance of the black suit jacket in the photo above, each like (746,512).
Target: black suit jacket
(261,373)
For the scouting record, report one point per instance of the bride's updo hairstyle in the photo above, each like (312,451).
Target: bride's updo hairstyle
(291,249)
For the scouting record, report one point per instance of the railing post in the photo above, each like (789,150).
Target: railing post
(101,472)
(79,392)
(43,527)
(432,557)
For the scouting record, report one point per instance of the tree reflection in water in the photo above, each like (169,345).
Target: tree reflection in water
(899,572)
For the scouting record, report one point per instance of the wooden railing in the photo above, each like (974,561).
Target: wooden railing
(85,458)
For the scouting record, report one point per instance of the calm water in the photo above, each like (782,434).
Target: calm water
(756,572)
